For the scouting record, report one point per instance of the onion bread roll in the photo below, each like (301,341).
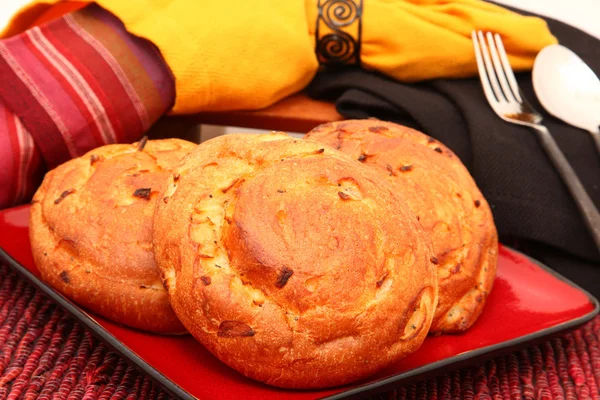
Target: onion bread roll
(91,231)
(293,263)
(442,193)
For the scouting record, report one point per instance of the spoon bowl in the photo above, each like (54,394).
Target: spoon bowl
(568,88)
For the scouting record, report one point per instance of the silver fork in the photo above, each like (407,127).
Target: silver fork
(505,97)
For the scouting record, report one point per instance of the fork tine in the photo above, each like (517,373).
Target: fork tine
(507,68)
(490,69)
(500,68)
(483,75)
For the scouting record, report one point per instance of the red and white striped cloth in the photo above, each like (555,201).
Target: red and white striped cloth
(73,84)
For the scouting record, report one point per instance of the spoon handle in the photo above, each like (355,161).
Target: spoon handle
(596,137)
(583,200)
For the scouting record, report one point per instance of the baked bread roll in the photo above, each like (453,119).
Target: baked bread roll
(441,192)
(292,263)
(91,231)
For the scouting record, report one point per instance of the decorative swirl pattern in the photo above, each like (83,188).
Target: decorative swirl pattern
(335,46)
(339,13)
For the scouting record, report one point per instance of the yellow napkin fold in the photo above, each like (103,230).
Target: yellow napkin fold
(234,54)
(413,40)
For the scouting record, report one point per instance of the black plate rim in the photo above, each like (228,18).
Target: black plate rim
(178,391)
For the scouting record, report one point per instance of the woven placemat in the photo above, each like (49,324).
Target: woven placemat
(45,354)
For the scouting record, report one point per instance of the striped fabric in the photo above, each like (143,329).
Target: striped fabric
(66,87)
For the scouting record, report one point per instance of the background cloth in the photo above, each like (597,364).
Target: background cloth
(233,54)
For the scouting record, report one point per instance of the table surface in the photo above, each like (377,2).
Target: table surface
(45,354)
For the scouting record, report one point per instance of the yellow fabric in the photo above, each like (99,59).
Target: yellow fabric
(413,40)
(239,54)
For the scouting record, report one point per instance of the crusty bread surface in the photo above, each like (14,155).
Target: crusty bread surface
(291,262)
(91,231)
(441,192)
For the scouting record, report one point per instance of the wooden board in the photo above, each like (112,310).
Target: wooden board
(297,113)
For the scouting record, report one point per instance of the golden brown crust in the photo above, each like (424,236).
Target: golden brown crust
(440,190)
(91,231)
(292,263)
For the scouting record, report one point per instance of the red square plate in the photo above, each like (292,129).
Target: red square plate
(528,301)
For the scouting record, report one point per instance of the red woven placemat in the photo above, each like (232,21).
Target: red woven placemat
(45,354)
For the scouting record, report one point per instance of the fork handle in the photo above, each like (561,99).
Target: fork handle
(583,200)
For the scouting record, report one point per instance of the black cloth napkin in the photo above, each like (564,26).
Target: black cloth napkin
(532,207)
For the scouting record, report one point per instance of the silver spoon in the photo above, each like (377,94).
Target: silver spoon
(568,88)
